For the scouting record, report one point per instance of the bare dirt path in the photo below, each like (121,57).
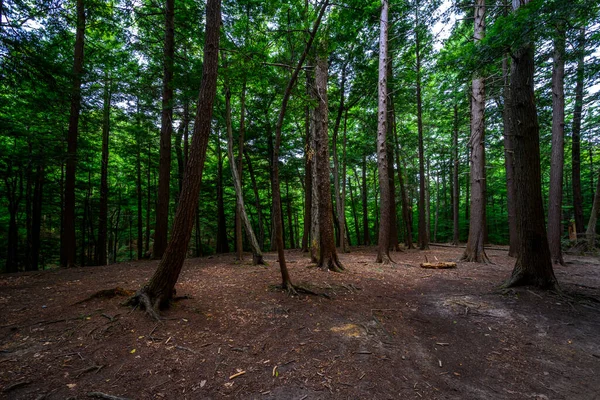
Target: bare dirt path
(380,332)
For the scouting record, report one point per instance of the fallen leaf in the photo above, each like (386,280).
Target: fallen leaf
(132,351)
(71,385)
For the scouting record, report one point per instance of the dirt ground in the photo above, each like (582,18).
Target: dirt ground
(378,332)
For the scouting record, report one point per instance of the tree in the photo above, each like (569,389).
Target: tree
(257,257)
(475,252)
(67,240)
(533,265)
(590,233)
(383,249)
(101,254)
(159,290)
(286,282)
(576,133)
(328,258)
(558,144)
(161,229)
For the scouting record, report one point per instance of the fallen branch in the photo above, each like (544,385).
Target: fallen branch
(15,385)
(101,395)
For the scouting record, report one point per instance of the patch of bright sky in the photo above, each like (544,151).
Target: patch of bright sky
(445,20)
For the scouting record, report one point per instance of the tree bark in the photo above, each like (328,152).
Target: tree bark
(328,258)
(474,251)
(161,229)
(239,243)
(533,265)
(222,240)
(159,289)
(315,236)
(36,218)
(101,253)
(354,213)
(558,143)
(423,237)
(455,183)
(339,201)
(383,251)
(390,132)
(257,257)
(259,216)
(576,134)
(68,242)
(366,236)
(308,162)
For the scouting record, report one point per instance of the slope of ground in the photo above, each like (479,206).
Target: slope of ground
(378,332)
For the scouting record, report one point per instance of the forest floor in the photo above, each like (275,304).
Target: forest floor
(378,332)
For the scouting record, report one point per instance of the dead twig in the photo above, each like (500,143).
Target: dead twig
(15,385)
(89,369)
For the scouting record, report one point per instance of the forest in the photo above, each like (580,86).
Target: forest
(99,106)
(290,138)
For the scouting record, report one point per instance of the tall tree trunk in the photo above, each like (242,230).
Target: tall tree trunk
(222,242)
(308,163)
(239,243)
(383,250)
(259,216)
(289,215)
(328,258)
(590,233)
(406,210)
(455,184)
(12,181)
(286,282)
(36,218)
(257,257)
(161,229)
(390,137)
(509,162)
(353,204)
(474,251)
(558,148)
(533,265)
(139,195)
(339,202)
(576,132)
(67,240)
(103,213)
(148,204)
(159,289)
(366,236)
(423,237)
(315,236)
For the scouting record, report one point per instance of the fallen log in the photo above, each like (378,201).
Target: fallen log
(438,265)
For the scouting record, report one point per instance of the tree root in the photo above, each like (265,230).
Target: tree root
(521,278)
(100,395)
(143,300)
(107,294)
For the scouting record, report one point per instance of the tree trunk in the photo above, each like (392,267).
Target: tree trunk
(36,218)
(383,250)
(509,163)
(159,289)
(139,195)
(474,251)
(289,215)
(328,258)
(239,243)
(161,229)
(339,202)
(315,236)
(558,143)
(590,233)
(67,240)
(455,183)
(308,162)
(576,138)
(103,213)
(286,282)
(222,242)
(257,257)
(12,181)
(533,265)
(366,236)
(353,205)
(259,216)
(390,131)
(148,204)
(423,237)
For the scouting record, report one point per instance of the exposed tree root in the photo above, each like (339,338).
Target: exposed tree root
(476,257)
(257,259)
(147,303)
(385,259)
(331,264)
(108,294)
(520,277)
